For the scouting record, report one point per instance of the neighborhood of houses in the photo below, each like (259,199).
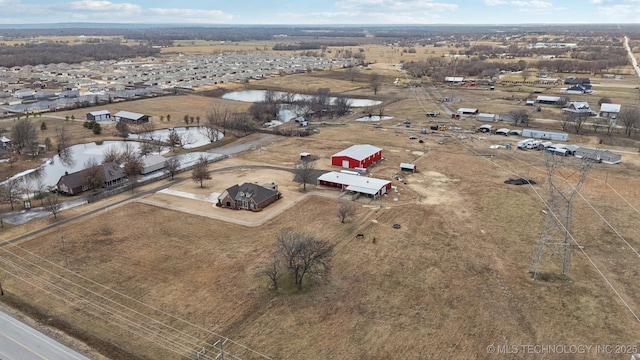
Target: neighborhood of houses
(61,86)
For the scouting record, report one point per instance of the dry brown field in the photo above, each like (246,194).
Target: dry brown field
(450,282)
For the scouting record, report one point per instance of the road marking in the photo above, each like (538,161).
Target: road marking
(23,346)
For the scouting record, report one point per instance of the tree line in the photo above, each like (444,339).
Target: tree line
(51,53)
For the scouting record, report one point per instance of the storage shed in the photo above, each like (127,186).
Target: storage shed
(408,167)
(361,184)
(357,156)
(543,134)
(130,117)
(467,111)
(550,100)
(487,117)
(99,115)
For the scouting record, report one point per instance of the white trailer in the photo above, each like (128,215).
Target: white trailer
(547,135)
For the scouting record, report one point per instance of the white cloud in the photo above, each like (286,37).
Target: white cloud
(494,2)
(596,1)
(102,6)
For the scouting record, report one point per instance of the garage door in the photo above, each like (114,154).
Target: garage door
(345,164)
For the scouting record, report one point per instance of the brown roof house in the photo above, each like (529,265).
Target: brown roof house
(76,182)
(249,196)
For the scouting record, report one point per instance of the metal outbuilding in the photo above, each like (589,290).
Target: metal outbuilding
(362,156)
(408,167)
(543,134)
(99,115)
(361,184)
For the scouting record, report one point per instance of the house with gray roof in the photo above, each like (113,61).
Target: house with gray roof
(248,196)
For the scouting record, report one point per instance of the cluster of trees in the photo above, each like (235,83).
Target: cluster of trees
(127,156)
(52,53)
(300,257)
(319,104)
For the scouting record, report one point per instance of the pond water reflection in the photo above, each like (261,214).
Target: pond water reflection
(258,95)
(76,157)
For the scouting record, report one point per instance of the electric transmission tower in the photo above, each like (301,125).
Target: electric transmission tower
(555,237)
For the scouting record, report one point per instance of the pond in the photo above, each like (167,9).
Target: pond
(75,157)
(192,137)
(374,118)
(258,95)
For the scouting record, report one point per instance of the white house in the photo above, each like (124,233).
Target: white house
(610,111)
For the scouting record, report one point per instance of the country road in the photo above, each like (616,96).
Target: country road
(19,341)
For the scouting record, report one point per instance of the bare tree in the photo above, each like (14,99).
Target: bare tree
(578,120)
(64,138)
(341,106)
(352,72)
(132,165)
(93,176)
(520,117)
(304,255)
(629,118)
(565,120)
(23,134)
(217,118)
(171,165)
(304,171)
(604,100)
(375,80)
(345,210)
(53,205)
(273,268)
(111,154)
(201,172)
(10,192)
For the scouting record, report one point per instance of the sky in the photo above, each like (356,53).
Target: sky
(321,12)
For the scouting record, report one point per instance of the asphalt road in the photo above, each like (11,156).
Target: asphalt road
(18,341)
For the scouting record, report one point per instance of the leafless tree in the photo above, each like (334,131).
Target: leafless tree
(10,192)
(171,165)
(565,120)
(63,138)
(111,154)
(145,131)
(604,100)
(520,117)
(242,123)
(273,268)
(217,117)
(53,205)
(321,101)
(201,172)
(132,165)
(304,171)
(352,72)
(345,210)
(578,121)
(375,80)
(304,256)
(629,118)
(93,175)
(23,134)
(341,106)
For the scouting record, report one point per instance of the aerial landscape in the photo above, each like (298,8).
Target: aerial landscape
(326,180)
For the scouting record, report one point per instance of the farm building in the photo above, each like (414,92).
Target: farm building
(360,184)
(610,111)
(248,196)
(5,142)
(130,117)
(598,155)
(408,167)
(543,134)
(487,117)
(151,163)
(467,111)
(99,115)
(549,100)
(75,183)
(357,156)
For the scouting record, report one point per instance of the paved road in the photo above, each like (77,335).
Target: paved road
(18,341)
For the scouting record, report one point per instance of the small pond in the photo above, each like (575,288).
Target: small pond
(193,136)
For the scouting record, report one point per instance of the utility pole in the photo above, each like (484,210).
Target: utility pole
(556,231)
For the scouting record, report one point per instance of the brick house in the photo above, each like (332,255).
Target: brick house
(249,196)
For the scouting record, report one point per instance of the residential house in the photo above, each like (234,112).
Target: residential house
(249,196)
(579,108)
(75,183)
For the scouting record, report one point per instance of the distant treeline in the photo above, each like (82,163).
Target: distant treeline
(51,53)
(311,45)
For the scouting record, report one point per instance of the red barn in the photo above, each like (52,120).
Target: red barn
(357,156)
